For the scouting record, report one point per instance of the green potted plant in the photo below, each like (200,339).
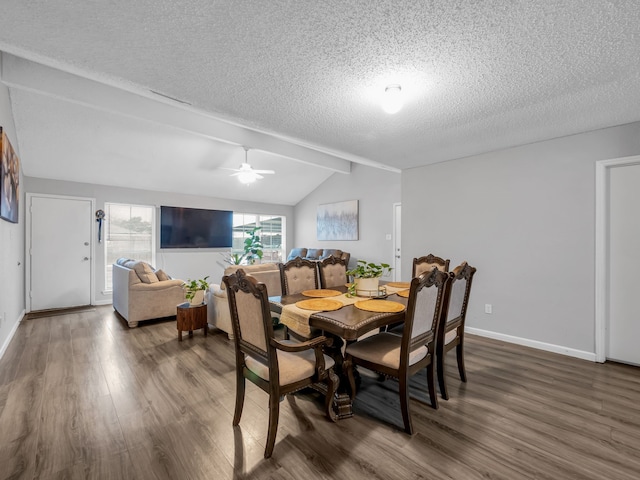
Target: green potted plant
(366,277)
(253,246)
(194,290)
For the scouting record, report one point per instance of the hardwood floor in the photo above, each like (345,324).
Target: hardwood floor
(84,396)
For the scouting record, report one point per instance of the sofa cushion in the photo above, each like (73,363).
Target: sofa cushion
(297,252)
(162,276)
(328,252)
(314,253)
(145,272)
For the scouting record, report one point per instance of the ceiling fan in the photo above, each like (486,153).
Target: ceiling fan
(246,174)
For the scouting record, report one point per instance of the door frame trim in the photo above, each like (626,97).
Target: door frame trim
(602,247)
(395,240)
(27,236)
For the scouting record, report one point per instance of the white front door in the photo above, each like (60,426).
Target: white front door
(624,264)
(60,252)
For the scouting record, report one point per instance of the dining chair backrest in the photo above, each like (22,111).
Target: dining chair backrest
(250,317)
(462,276)
(426,263)
(333,272)
(427,295)
(298,275)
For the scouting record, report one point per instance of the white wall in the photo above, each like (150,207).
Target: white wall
(11,243)
(525,217)
(182,264)
(376,191)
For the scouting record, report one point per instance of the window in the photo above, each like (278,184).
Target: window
(271,235)
(129,231)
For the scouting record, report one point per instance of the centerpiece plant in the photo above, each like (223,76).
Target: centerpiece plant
(366,277)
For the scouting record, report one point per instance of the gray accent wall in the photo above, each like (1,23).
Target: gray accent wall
(525,217)
(376,191)
(12,303)
(179,263)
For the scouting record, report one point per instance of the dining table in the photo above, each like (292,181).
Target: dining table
(344,325)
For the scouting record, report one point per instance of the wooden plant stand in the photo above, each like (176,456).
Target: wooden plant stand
(190,318)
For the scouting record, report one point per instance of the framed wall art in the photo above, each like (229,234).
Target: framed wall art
(338,221)
(9,180)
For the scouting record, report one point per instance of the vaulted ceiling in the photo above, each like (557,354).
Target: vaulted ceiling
(169,91)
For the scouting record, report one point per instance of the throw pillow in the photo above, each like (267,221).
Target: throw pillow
(162,276)
(145,272)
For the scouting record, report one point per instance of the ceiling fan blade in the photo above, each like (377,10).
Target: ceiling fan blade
(255,173)
(266,172)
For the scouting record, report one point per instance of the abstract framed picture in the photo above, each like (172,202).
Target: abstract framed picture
(338,221)
(9,180)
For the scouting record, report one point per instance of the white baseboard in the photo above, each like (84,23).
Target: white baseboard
(5,345)
(102,302)
(548,347)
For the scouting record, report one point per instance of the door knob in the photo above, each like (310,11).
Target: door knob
(85,258)
(86,244)
(397,256)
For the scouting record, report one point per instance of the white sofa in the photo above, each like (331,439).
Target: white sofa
(141,293)
(216,297)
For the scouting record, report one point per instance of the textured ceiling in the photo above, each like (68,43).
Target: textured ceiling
(477,75)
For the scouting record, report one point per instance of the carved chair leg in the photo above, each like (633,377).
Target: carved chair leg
(332,387)
(404,403)
(240,388)
(432,385)
(274,413)
(460,355)
(442,382)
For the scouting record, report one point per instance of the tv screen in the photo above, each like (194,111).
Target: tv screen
(195,228)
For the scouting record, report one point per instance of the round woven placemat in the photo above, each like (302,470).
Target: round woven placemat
(399,284)
(381,306)
(319,304)
(321,293)
(403,293)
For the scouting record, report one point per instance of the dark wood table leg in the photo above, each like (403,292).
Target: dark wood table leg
(342,401)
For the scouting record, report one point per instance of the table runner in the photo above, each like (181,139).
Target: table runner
(298,319)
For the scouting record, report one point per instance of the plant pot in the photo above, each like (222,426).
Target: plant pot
(367,287)
(198,299)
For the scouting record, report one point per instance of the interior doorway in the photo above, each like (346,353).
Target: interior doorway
(397,242)
(60,252)
(617,260)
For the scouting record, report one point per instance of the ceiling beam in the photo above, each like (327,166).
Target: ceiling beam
(34,77)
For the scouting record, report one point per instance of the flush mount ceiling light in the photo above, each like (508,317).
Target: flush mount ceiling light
(392,99)
(246,174)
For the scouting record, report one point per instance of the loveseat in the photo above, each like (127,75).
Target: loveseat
(142,293)
(216,296)
(318,254)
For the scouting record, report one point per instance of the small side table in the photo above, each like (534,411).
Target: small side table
(190,318)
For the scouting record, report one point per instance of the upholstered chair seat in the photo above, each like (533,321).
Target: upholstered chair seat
(292,366)
(384,349)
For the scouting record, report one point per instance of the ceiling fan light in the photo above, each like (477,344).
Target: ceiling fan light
(247,177)
(392,99)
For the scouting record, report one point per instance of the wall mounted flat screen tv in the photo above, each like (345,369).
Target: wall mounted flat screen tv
(195,228)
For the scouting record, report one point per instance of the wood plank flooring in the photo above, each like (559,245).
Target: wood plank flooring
(84,396)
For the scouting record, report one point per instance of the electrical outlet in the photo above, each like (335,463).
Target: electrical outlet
(488,308)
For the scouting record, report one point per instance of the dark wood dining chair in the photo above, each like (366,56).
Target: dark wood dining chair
(401,356)
(426,263)
(296,276)
(277,367)
(333,272)
(452,335)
